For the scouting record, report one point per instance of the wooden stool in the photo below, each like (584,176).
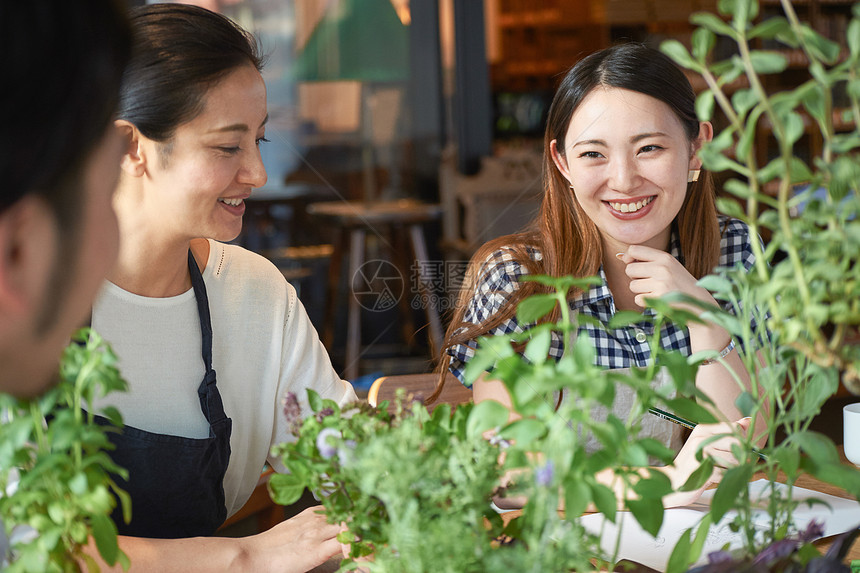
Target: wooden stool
(351,221)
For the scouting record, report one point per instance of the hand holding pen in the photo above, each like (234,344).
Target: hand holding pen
(692,425)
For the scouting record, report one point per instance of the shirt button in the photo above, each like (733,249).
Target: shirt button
(640,336)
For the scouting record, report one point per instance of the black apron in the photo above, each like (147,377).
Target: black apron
(176,484)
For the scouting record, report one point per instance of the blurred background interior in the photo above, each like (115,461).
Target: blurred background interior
(404,134)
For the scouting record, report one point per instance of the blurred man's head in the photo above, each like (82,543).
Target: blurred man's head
(62,65)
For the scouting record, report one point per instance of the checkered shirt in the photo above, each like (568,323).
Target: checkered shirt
(616,348)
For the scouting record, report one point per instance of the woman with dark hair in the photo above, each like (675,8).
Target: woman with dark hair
(624,199)
(181,305)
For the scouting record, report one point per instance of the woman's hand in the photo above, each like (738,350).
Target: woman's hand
(293,546)
(719,450)
(654,273)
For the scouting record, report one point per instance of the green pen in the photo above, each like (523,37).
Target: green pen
(687,424)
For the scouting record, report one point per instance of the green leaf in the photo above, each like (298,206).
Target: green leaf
(818,447)
(314,400)
(604,500)
(656,485)
(734,481)
(576,496)
(765,62)
(799,171)
(678,52)
(820,47)
(524,431)
(744,100)
(648,512)
(715,283)
(690,410)
(679,560)
(705,105)
(787,459)
(840,475)
(535,307)
(853,38)
(486,415)
(700,476)
(730,207)
(713,23)
(703,42)
(702,531)
(770,28)
(794,127)
(747,138)
(285,489)
(745,403)
(537,348)
(104,533)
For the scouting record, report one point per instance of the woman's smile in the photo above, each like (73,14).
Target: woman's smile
(233,205)
(630,208)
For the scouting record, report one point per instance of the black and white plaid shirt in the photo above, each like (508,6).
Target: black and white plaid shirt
(617,348)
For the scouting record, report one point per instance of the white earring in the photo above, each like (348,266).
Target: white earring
(571,187)
(693,175)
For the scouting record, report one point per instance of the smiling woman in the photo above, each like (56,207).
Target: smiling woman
(624,199)
(181,305)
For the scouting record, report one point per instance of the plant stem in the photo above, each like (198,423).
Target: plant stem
(786,155)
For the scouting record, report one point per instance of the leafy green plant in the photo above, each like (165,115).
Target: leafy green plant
(54,468)
(804,291)
(414,489)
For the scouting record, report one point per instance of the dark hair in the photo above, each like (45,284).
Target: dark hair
(180,51)
(63,62)
(568,240)
(61,72)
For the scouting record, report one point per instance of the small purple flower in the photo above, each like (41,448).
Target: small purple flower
(544,474)
(497,440)
(326,448)
(293,412)
(813,531)
(324,413)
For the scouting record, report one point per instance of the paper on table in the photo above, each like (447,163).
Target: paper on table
(639,546)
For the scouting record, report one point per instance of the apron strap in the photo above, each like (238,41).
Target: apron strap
(210,399)
(202,309)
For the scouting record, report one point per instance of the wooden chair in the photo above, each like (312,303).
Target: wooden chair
(421,385)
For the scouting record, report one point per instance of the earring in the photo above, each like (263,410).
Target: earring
(693,175)
(571,187)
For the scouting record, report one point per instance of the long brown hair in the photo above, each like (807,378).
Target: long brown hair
(567,239)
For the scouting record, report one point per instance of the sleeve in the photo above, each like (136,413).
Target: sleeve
(306,364)
(500,278)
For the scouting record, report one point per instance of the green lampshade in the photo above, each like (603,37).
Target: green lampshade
(360,40)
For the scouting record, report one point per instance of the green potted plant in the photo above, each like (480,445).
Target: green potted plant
(54,469)
(415,489)
(804,288)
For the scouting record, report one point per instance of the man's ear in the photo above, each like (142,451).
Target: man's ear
(559,160)
(134,159)
(28,247)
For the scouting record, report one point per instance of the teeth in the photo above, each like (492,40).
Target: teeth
(232,202)
(630,207)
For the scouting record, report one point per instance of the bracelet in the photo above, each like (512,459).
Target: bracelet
(723,353)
